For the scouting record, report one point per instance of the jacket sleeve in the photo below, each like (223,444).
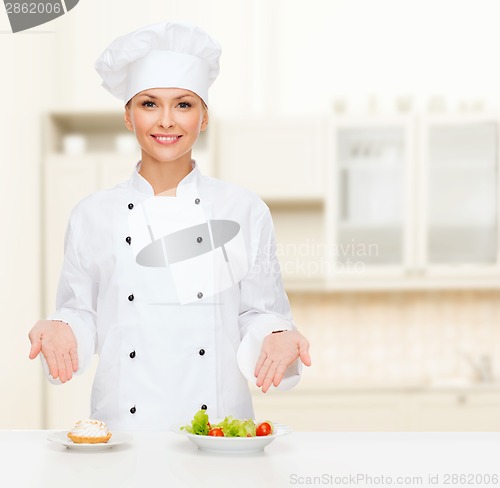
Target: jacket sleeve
(76,303)
(264,305)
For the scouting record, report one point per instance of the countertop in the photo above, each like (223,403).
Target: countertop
(159,459)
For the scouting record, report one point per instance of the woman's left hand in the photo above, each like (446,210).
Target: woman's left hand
(279,351)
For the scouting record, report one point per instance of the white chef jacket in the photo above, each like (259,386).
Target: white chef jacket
(167,338)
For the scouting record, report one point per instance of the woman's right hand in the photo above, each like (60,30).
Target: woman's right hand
(56,341)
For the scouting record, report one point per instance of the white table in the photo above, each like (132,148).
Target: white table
(170,460)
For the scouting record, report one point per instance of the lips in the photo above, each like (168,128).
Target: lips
(166,138)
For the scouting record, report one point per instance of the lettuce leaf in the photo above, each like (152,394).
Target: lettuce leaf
(199,424)
(237,428)
(230,426)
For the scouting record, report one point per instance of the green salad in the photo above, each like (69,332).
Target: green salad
(229,427)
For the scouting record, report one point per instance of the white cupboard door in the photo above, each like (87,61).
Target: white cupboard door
(372,198)
(459,208)
(277,159)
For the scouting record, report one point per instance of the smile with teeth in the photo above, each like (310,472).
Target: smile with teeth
(166,139)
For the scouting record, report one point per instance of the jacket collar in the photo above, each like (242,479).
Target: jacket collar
(186,186)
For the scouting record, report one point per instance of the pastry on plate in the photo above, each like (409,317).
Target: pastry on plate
(89,431)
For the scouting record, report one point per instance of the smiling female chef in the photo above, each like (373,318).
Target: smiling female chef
(171,277)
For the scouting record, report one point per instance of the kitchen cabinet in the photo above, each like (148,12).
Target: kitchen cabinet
(330,410)
(279,159)
(371,201)
(400,202)
(459,196)
(282,160)
(371,409)
(414,202)
(449,411)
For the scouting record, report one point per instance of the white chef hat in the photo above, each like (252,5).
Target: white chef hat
(165,55)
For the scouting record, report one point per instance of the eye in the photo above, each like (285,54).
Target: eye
(148,103)
(184,105)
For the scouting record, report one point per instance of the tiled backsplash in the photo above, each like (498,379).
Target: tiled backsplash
(406,338)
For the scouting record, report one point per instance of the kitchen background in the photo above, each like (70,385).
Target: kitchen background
(370,128)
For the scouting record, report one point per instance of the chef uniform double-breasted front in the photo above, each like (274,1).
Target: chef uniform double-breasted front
(164,289)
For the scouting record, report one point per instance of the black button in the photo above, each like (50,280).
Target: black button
(200,295)
(204,407)
(197,201)
(128,239)
(199,239)
(201,352)
(130,206)
(132,410)
(132,355)
(130,298)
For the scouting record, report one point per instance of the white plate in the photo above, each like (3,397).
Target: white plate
(234,445)
(62,438)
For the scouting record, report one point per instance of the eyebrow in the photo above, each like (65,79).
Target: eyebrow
(176,98)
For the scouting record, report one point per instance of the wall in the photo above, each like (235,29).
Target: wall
(27,71)
(369,53)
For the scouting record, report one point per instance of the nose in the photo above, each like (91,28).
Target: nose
(166,119)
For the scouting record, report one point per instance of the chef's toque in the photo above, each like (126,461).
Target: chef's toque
(165,55)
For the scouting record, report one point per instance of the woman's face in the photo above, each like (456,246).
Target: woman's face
(166,122)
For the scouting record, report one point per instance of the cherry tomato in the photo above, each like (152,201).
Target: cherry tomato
(216,432)
(264,429)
